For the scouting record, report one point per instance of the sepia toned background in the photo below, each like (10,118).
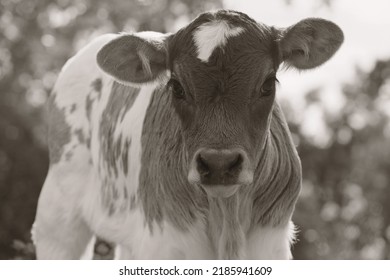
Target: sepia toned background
(339,114)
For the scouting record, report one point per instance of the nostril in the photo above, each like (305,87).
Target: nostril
(236,163)
(203,167)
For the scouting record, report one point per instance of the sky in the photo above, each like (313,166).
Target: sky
(366,27)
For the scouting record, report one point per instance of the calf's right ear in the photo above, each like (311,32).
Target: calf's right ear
(135,59)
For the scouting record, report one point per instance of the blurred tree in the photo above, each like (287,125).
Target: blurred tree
(343,211)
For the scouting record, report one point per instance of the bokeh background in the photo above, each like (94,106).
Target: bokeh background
(338,114)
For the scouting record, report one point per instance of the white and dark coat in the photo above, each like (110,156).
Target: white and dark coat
(173,145)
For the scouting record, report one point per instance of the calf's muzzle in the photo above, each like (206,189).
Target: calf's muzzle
(220,172)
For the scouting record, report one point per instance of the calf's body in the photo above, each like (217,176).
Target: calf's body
(126,164)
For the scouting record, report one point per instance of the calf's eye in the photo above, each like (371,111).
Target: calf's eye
(268,86)
(177,89)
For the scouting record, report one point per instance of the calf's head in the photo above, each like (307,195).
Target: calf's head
(221,72)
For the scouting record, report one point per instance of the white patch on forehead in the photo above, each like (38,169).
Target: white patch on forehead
(212,35)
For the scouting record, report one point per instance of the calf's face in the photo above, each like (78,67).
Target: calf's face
(221,73)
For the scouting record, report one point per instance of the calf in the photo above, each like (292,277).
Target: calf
(173,145)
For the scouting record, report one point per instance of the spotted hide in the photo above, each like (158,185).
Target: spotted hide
(173,146)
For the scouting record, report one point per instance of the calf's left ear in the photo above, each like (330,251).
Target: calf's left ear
(309,43)
(135,59)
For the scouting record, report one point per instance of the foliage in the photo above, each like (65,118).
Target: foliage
(343,210)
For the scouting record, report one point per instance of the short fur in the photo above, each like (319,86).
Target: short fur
(130,116)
